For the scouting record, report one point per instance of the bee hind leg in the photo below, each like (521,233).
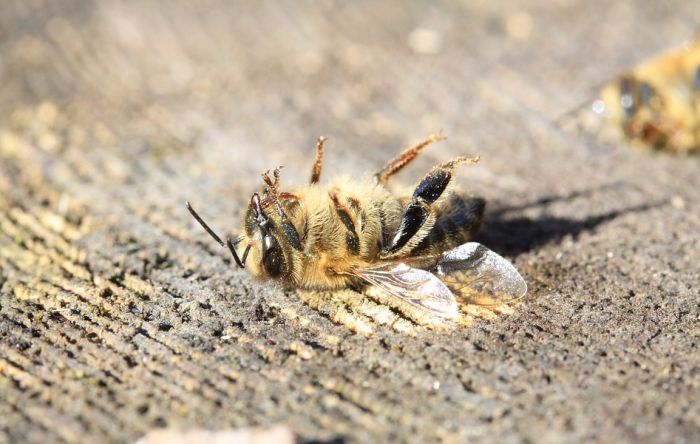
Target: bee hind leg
(405,157)
(420,214)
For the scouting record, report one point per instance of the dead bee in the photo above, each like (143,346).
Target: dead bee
(657,104)
(355,234)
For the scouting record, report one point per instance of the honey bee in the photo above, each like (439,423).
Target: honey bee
(657,104)
(355,234)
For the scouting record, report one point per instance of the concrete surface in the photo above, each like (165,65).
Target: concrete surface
(119,315)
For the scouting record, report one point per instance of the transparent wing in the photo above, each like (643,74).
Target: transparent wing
(413,285)
(480,276)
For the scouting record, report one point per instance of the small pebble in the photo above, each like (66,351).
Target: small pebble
(678,202)
(519,25)
(424,41)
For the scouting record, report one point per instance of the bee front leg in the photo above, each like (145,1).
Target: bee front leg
(318,163)
(420,213)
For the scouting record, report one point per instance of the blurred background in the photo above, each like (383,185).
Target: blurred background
(195,88)
(113,304)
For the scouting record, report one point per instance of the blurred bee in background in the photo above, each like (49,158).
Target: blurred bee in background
(657,104)
(350,234)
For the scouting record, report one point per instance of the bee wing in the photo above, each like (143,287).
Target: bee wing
(480,276)
(413,285)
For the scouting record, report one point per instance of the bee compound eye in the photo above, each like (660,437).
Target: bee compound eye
(627,99)
(273,263)
(273,258)
(645,93)
(251,222)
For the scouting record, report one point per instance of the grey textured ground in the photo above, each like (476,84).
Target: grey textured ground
(117,314)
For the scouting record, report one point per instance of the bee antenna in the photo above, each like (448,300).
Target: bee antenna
(245,254)
(232,249)
(231,244)
(204,225)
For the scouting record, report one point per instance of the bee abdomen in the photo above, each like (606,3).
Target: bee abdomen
(456,223)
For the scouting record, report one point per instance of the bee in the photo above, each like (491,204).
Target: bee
(657,104)
(356,234)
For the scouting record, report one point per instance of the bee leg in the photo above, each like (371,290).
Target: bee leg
(273,189)
(420,213)
(318,163)
(405,157)
(288,229)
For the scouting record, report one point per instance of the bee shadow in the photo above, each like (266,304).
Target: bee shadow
(516,235)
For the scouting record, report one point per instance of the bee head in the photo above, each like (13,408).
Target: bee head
(266,255)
